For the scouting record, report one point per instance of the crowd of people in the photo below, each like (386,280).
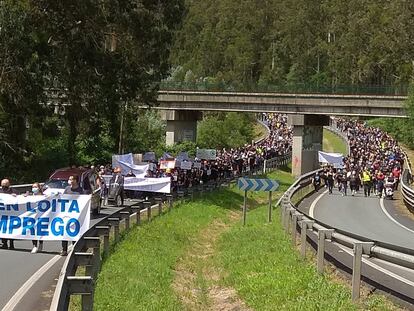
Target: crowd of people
(228,162)
(374,164)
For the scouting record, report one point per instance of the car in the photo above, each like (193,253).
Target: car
(88,181)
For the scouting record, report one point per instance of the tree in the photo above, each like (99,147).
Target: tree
(21,85)
(225,130)
(105,54)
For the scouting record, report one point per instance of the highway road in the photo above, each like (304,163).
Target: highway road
(28,280)
(369,217)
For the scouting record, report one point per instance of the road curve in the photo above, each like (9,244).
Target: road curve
(364,216)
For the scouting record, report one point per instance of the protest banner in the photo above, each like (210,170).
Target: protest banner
(127,158)
(197,165)
(186,165)
(160,185)
(46,218)
(331,158)
(164,164)
(206,154)
(137,170)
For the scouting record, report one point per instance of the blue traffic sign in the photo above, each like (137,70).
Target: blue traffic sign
(250,184)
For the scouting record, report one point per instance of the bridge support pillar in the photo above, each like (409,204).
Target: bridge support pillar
(307,141)
(181,125)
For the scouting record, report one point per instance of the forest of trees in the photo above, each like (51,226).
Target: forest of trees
(103,56)
(340,42)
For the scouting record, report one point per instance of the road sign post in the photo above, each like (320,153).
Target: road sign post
(250,184)
(245,208)
(270,207)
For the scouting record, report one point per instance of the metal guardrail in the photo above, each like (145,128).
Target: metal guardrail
(275,163)
(87,251)
(307,226)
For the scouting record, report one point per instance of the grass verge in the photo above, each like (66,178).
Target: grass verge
(268,273)
(259,131)
(333,143)
(256,261)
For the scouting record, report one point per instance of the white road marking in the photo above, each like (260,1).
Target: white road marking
(392,218)
(313,205)
(12,304)
(369,263)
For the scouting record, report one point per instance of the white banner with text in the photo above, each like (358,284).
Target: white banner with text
(46,218)
(161,185)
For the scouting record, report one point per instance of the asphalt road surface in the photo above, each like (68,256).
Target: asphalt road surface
(27,281)
(378,220)
(369,217)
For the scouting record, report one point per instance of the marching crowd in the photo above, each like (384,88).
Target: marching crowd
(231,162)
(374,164)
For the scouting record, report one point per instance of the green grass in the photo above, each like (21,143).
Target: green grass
(259,131)
(333,143)
(139,272)
(257,260)
(269,275)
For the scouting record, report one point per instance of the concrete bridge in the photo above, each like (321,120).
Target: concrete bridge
(308,114)
(327,104)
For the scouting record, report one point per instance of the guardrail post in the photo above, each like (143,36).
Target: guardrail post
(147,206)
(288,211)
(114,222)
(304,225)
(191,193)
(295,217)
(283,205)
(82,285)
(359,249)
(95,244)
(159,203)
(170,202)
(137,210)
(322,235)
(125,215)
(104,230)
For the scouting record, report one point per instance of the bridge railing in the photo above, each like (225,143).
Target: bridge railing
(277,162)
(319,234)
(302,88)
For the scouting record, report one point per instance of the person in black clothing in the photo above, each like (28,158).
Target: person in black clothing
(353,183)
(330,180)
(316,182)
(117,185)
(5,188)
(73,188)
